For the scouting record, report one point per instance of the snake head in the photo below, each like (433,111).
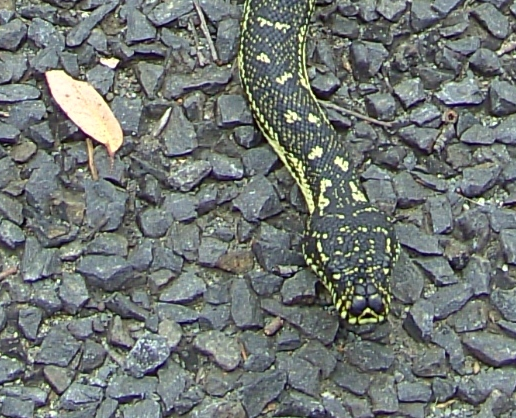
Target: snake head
(353,255)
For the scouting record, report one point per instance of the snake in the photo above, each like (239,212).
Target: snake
(349,244)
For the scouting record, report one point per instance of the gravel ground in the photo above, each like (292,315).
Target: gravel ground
(175,286)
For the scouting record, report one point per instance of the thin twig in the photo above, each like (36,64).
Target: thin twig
(91,162)
(162,123)
(506,48)
(200,56)
(9,272)
(339,109)
(205,31)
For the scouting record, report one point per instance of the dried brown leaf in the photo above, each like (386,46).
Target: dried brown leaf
(86,108)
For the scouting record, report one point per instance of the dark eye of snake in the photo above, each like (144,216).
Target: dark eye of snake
(348,243)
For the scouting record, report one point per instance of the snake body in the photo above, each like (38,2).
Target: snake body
(349,244)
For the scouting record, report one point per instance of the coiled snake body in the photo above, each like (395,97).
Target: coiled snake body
(349,244)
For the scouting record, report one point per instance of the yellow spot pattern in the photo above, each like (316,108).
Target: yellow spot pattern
(263,57)
(284,78)
(315,152)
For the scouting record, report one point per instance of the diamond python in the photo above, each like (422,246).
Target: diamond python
(349,244)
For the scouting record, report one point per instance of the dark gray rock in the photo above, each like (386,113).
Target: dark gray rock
(473,317)
(125,307)
(149,76)
(226,44)
(178,313)
(38,262)
(477,388)
(245,307)
(189,175)
(11,235)
(149,352)
(12,34)
(324,85)
(163,14)
(420,320)
(259,352)
(105,205)
(478,135)
(381,106)
(412,237)
(58,348)
(261,389)
(485,62)
(422,15)
(422,139)
(493,349)
(263,283)
(445,337)
(11,93)
(367,59)
(298,404)
(8,134)
(409,92)
(477,180)
(108,244)
(503,300)
(369,356)
(182,207)
(496,23)
(186,288)
(431,363)
(351,379)
(383,395)
(450,299)
(109,273)
(311,320)
(165,258)
(29,321)
(414,391)
(232,110)
(10,369)
(299,288)
(80,32)
(26,113)
(465,92)
(179,136)
(17,408)
(409,192)
(210,251)
(93,356)
(154,222)
(139,29)
(438,270)
(102,78)
(427,115)
(443,389)
(224,350)
(210,80)
(128,112)
(258,200)
(260,160)
(501,99)
(173,386)
(124,388)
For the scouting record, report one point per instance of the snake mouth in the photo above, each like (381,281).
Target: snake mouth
(367,316)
